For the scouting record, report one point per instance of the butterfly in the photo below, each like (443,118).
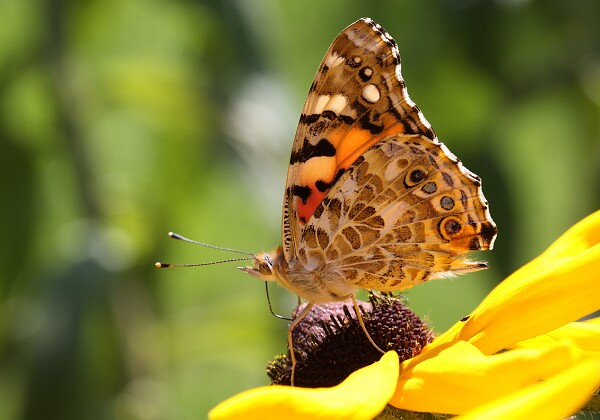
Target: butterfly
(372,199)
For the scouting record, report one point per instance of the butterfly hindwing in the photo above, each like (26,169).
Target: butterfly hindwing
(404,212)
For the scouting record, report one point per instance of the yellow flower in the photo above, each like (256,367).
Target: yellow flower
(520,353)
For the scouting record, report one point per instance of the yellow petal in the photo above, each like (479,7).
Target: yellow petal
(560,286)
(557,397)
(540,302)
(362,395)
(585,335)
(460,377)
(577,239)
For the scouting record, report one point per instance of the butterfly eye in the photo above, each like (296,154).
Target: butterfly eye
(268,261)
(265,266)
(415,176)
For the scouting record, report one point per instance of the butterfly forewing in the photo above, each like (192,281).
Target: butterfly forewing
(357,99)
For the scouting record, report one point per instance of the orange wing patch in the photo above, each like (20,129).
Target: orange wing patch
(319,173)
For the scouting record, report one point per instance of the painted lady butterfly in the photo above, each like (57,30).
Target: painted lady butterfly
(372,200)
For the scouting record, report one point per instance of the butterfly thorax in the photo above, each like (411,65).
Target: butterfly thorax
(317,285)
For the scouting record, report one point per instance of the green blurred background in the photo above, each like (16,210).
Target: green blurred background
(122,120)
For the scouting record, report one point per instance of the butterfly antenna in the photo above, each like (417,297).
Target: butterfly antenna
(183,238)
(270,307)
(167,265)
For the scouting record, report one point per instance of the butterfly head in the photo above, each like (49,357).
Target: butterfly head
(262,266)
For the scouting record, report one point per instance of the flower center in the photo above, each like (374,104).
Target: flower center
(330,344)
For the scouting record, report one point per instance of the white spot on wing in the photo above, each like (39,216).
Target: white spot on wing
(337,104)
(333,60)
(319,106)
(371,93)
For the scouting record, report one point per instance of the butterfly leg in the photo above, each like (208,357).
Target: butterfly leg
(362,324)
(293,324)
